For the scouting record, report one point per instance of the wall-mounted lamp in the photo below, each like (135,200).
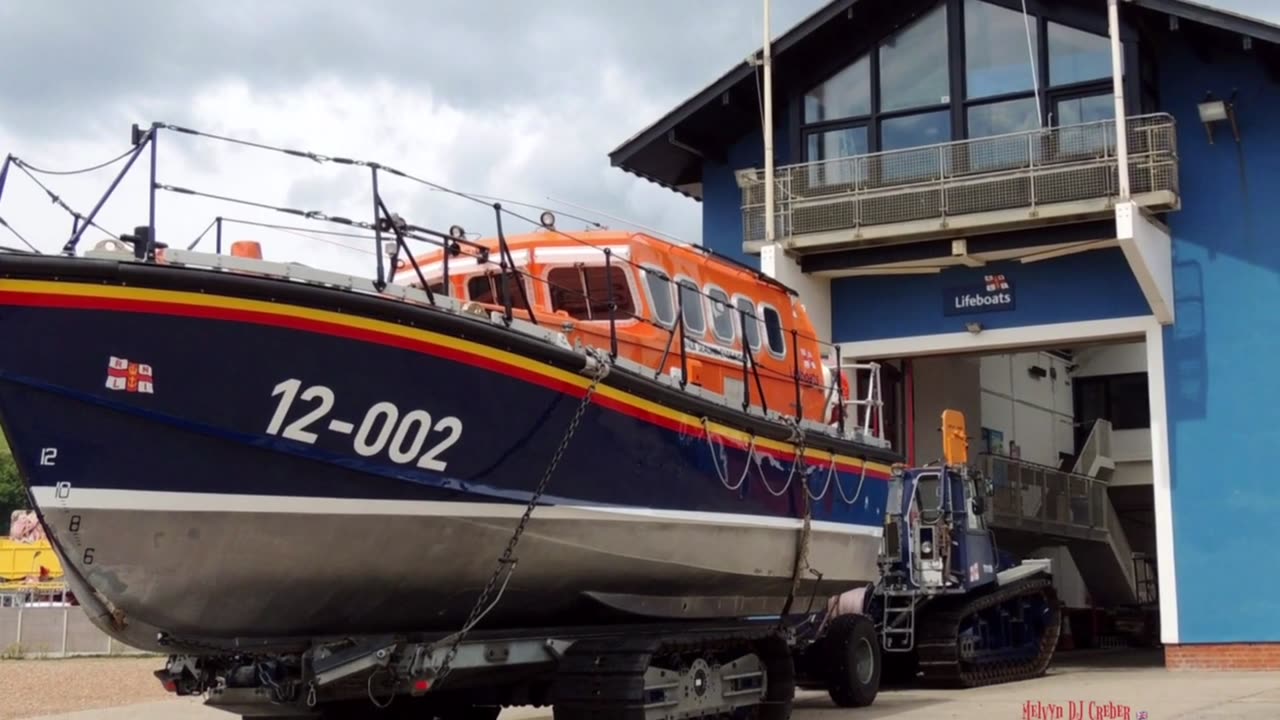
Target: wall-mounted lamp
(973,327)
(1037,372)
(1213,111)
(745,178)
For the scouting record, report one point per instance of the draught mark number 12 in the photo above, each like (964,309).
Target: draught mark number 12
(383,428)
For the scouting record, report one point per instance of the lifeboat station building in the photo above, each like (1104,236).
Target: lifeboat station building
(950,203)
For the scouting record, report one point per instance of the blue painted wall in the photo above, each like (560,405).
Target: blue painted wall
(722,198)
(1222,356)
(1089,286)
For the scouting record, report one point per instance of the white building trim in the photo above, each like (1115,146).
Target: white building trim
(1162,484)
(1034,337)
(994,341)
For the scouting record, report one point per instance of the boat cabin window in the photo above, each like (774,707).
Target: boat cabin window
(722,315)
(695,323)
(488,288)
(583,292)
(660,298)
(773,331)
(746,317)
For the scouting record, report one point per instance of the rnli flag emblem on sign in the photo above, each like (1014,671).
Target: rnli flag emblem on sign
(129,376)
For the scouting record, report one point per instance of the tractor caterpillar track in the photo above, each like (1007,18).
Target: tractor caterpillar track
(605,678)
(938,641)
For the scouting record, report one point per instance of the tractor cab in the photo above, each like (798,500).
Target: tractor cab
(936,539)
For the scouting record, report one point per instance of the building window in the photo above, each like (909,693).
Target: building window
(1002,118)
(1088,109)
(834,145)
(847,94)
(997,58)
(911,131)
(584,292)
(1122,399)
(902,93)
(914,65)
(1077,56)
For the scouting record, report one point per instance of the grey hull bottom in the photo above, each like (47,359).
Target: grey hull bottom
(217,577)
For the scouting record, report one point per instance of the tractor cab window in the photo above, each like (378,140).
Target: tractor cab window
(929,496)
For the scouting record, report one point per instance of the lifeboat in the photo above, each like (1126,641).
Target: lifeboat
(229,451)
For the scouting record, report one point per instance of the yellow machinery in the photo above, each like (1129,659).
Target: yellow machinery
(22,560)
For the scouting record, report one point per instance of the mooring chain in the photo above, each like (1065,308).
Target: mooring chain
(506,563)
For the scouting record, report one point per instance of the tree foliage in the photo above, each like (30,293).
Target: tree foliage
(12,495)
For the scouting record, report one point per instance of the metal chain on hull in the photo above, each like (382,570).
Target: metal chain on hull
(506,563)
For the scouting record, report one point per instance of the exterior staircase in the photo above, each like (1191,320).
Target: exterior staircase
(1036,505)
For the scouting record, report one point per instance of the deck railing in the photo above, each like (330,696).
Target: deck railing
(388,236)
(1029,171)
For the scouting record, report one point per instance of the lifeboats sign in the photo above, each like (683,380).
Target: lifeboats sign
(994,295)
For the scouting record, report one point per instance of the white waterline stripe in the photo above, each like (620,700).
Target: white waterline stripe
(161,501)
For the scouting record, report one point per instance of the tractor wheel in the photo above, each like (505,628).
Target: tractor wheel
(851,654)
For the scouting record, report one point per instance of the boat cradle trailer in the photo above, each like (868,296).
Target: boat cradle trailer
(672,670)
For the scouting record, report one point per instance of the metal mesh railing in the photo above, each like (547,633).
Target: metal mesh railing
(1021,170)
(1044,499)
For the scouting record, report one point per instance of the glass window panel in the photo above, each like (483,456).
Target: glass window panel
(831,145)
(915,130)
(773,331)
(1077,56)
(1001,118)
(846,94)
(1089,139)
(721,315)
(1094,108)
(746,317)
(664,307)
(914,69)
(694,321)
(997,59)
(907,132)
(584,292)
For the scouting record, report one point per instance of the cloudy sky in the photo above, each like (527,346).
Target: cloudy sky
(521,100)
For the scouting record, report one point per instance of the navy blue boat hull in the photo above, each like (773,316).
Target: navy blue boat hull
(214,467)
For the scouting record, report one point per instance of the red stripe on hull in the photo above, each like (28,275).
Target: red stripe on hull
(291,322)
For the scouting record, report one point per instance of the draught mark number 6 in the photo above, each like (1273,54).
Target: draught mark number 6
(381,427)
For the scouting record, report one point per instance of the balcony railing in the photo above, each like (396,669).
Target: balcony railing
(1045,500)
(1005,180)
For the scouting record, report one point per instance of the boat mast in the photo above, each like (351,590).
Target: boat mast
(767,61)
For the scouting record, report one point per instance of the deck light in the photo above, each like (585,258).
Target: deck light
(973,327)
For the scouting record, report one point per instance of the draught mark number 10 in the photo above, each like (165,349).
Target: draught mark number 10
(383,428)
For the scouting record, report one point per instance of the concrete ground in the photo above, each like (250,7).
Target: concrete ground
(1080,687)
